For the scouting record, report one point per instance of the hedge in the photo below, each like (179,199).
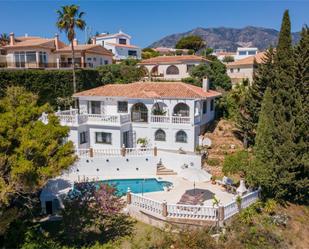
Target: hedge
(49,84)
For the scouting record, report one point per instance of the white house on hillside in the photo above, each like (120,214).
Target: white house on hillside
(244,69)
(37,52)
(171,67)
(168,115)
(243,52)
(120,45)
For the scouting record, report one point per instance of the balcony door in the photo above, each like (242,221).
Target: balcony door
(94,107)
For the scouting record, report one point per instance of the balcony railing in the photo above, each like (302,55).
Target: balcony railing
(41,65)
(72,118)
(170,119)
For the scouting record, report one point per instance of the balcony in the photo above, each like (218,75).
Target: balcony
(73,118)
(170,119)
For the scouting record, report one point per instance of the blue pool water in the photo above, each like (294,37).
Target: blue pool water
(137,185)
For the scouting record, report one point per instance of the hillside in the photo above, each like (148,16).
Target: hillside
(228,38)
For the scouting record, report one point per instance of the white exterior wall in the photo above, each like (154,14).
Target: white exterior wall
(142,129)
(98,60)
(120,53)
(183,72)
(240,72)
(114,167)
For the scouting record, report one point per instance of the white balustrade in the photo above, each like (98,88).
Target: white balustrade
(180,120)
(160,119)
(197,212)
(83,153)
(71,117)
(249,198)
(146,204)
(101,153)
(138,152)
(230,209)
(192,212)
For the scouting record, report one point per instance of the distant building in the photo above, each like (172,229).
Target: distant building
(171,67)
(171,51)
(43,53)
(244,68)
(242,53)
(119,44)
(222,54)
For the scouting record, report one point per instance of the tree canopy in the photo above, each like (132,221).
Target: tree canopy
(31,152)
(191,42)
(215,71)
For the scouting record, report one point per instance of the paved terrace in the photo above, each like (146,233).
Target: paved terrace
(180,186)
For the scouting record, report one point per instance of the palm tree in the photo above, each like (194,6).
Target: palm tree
(69,18)
(4,39)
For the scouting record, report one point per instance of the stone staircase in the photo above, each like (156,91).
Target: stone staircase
(162,170)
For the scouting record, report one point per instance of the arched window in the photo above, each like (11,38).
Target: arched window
(139,113)
(172,70)
(181,137)
(160,135)
(181,109)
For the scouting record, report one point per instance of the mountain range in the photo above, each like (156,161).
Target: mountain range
(229,38)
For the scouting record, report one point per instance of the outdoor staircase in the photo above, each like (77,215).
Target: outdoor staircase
(162,170)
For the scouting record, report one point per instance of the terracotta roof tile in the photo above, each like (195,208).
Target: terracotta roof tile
(248,60)
(94,48)
(172,59)
(34,42)
(150,90)
(121,45)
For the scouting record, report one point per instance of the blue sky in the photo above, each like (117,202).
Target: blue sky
(148,21)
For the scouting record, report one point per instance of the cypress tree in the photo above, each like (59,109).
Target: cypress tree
(261,172)
(284,155)
(248,117)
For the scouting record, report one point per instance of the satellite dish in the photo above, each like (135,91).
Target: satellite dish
(206,142)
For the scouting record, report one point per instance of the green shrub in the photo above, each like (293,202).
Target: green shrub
(236,163)
(213,161)
(49,84)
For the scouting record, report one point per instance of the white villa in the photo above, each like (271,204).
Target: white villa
(120,45)
(170,115)
(165,175)
(171,67)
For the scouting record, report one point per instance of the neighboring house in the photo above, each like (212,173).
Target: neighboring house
(120,45)
(242,53)
(222,54)
(171,67)
(37,52)
(170,51)
(243,69)
(169,115)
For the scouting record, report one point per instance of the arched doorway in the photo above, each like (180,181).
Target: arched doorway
(139,113)
(172,70)
(182,110)
(154,71)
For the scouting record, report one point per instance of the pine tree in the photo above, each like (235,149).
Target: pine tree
(248,117)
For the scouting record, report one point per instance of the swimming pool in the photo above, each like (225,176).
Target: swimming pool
(137,185)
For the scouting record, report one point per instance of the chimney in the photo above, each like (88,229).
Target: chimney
(75,42)
(12,39)
(57,41)
(205,84)
(94,40)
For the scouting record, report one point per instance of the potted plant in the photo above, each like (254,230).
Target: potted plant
(142,142)
(198,149)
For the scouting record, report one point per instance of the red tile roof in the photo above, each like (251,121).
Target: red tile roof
(91,48)
(248,60)
(121,45)
(172,59)
(150,90)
